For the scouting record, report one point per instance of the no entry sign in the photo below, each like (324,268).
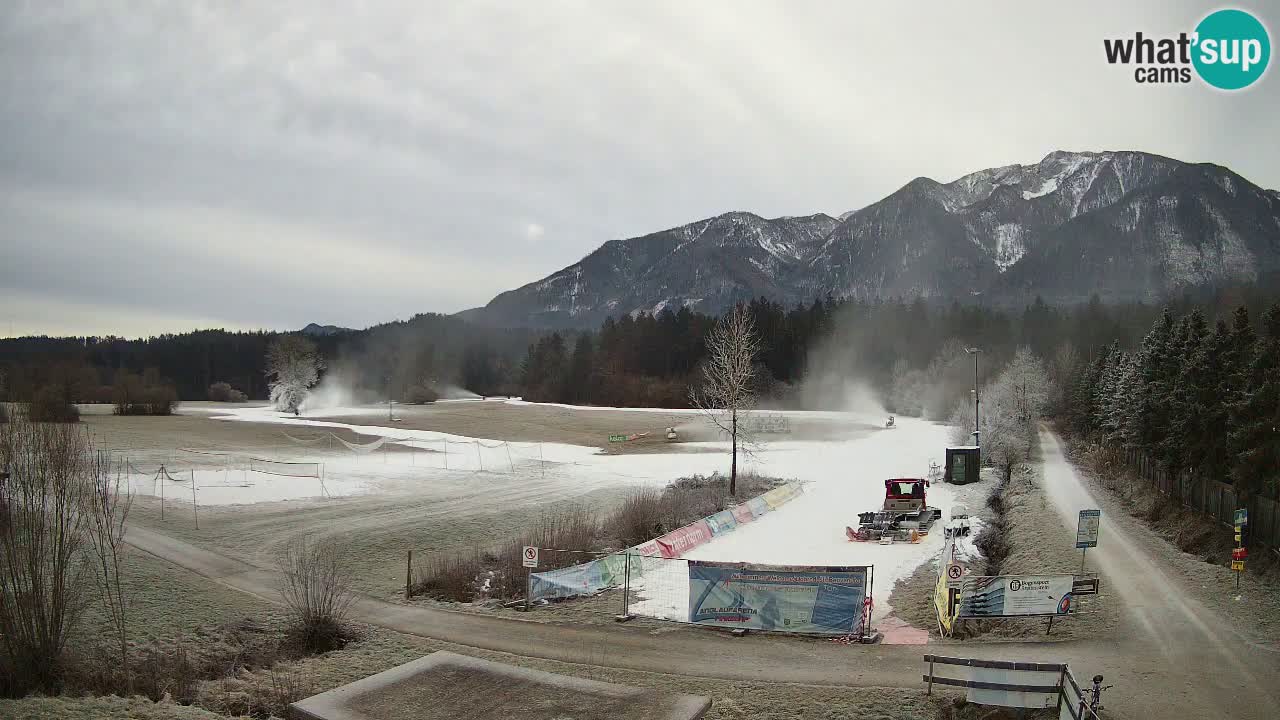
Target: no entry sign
(530,556)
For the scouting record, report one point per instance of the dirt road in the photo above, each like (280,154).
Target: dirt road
(1150,684)
(1235,675)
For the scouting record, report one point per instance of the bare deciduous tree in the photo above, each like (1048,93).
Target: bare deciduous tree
(727,394)
(44,479)
(109,501)
(317,590)
(293,366)
(1011,408)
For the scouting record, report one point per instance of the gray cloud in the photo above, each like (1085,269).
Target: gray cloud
(165,165)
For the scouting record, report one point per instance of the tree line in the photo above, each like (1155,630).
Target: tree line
(1199,397)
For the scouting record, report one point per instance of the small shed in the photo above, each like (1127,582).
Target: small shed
(964,464)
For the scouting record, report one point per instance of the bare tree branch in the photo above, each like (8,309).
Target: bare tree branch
(727,394)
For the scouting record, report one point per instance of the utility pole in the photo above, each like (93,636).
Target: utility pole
(977,431)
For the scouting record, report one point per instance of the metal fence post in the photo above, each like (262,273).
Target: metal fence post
(626,587)
(408,576)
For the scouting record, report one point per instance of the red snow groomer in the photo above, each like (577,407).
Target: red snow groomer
(905,516)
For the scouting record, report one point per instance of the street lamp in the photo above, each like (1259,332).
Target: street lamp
(977,432)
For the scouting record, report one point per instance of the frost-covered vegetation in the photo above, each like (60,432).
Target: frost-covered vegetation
(1199,400)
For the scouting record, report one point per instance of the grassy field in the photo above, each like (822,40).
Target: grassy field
(166,602)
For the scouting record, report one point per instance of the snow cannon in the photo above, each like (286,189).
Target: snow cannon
(890,424)
(904,517)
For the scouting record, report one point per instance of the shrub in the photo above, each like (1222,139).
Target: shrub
(223,392)
(420,395)
(50,405)
(317,591)
(134,396)
(42,523)
(641,517)
(451,577)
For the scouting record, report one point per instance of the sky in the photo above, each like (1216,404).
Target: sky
(172,165)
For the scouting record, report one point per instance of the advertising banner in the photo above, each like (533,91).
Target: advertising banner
(799,599)
(678,542)
(722,522)
(742,514)
(758,506)
(1015,596)
(778,496)
(568,582)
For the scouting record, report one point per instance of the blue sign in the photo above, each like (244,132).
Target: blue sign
(799,599)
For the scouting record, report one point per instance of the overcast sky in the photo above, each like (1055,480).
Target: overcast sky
(172,165)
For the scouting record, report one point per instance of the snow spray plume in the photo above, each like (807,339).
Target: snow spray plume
(332,392)
(449,391)
(835,377)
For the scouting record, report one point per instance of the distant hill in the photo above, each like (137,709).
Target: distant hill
(1122,225)
(323,330)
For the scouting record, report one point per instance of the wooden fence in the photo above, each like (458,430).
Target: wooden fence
(1215,499)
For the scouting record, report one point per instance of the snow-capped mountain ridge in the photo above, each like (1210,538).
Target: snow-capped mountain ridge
(1125,225)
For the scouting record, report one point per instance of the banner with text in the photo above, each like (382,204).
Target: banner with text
(799,599)
(995,596)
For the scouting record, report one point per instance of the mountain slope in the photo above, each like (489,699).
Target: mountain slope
(1124,225)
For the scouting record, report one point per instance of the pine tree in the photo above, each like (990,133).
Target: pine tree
(1254,441)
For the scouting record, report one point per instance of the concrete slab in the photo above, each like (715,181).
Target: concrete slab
(447,685)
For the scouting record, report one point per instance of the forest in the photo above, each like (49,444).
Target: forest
(1192,383)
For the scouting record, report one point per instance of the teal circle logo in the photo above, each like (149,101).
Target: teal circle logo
(1232,49)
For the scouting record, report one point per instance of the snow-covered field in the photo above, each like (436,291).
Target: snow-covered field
(842,479)
(842,476)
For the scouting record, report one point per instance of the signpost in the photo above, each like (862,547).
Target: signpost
(529,558)
(1087,532)
(1239,553)
(617,438)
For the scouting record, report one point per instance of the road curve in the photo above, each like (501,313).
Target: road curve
(1151,680)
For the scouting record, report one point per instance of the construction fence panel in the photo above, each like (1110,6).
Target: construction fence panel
(657,587)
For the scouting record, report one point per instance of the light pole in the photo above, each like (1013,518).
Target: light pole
(977,432)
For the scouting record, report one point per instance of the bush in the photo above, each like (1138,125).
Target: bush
(42,520)
(50,405)
(223,392)
(317,591)
(134,396)
(641,517)
(420,395)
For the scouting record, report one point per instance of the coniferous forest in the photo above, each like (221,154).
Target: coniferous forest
(1194,384)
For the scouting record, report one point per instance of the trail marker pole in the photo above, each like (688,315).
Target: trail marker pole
(509,463)
(195,507)
(478,458)
(160,476)
(445,444)
(408,576)
(626,589)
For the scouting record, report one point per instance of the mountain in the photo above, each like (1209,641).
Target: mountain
(1123,225)
(315,330)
